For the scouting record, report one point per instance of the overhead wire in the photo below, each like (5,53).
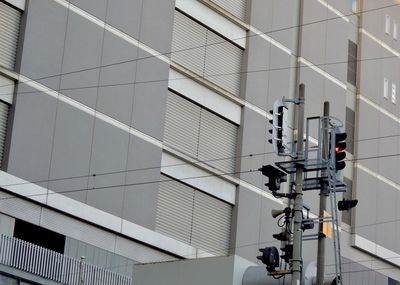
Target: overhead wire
(255,71)
(208,44)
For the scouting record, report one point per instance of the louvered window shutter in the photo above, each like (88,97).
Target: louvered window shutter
(200,133)
(193,217)
(10,20)
(182,124)
(217,142)
(4,109)
(207,54)
(211,224)
(235,7)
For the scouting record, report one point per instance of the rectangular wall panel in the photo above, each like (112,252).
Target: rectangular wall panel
(235,7)
(193,217)
(182,124)
(207,54)
(174,209)
(217,142)
(10,20)
(211,224)
(4,109)
(200,133)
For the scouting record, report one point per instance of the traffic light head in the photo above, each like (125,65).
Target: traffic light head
(339,150)
(270,257)
(287,253)
(275,177)
(277,122)
(346,205)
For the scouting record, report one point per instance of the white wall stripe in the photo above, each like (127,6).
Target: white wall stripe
(126,128)
(378,108)
(334,10)
(204,96)
(380,42)
(375,249)
(20,4)
(167,60)
(323,73)
(270,40)
(302,60)
(112,30)
(212,185)
(93,215)
(88,110)
(214,20)
(377,176)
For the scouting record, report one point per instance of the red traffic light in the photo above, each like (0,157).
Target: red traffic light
(340,146)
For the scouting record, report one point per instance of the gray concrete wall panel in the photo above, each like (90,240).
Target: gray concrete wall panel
(387,163)
(140,197)
(31,146)
(44,42)
(149,108)
(97,8)
(79,151)
(255,142)
(261,13)
(386,204)
(117,78)
(279,75)
(257,55)
(314,28)
(280,24)
(125,15)
(150,93)
(157,23)
(71,152)
(108,162)
(374,21)
(83,48)
(366,210)
(255,225)
(371,83)
(336,47)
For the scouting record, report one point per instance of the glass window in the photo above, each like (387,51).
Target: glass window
(6,280)
(393,93)
(385,88)
(353,5)
(387,24)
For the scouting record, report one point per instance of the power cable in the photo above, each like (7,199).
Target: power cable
(146,182)
(182,78)
(393,5)
(196,47)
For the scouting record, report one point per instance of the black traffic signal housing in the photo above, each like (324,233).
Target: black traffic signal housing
(287,253)
(282,236)
(277,126)
(270,257)
(346,205)
(275,177)
(338,152)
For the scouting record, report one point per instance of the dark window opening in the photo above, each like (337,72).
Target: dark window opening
(352,63)
(350,125)
(39,236)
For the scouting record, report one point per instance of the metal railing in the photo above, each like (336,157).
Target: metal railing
(55,266)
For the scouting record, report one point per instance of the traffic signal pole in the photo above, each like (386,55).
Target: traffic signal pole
(297,261)
(322,199)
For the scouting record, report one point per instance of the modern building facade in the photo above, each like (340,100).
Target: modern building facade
(132,131)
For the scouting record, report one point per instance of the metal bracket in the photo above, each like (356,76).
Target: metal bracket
(296,101)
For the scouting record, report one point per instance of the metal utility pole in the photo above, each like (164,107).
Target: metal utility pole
(324,192)
(81,278)
(297,262)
